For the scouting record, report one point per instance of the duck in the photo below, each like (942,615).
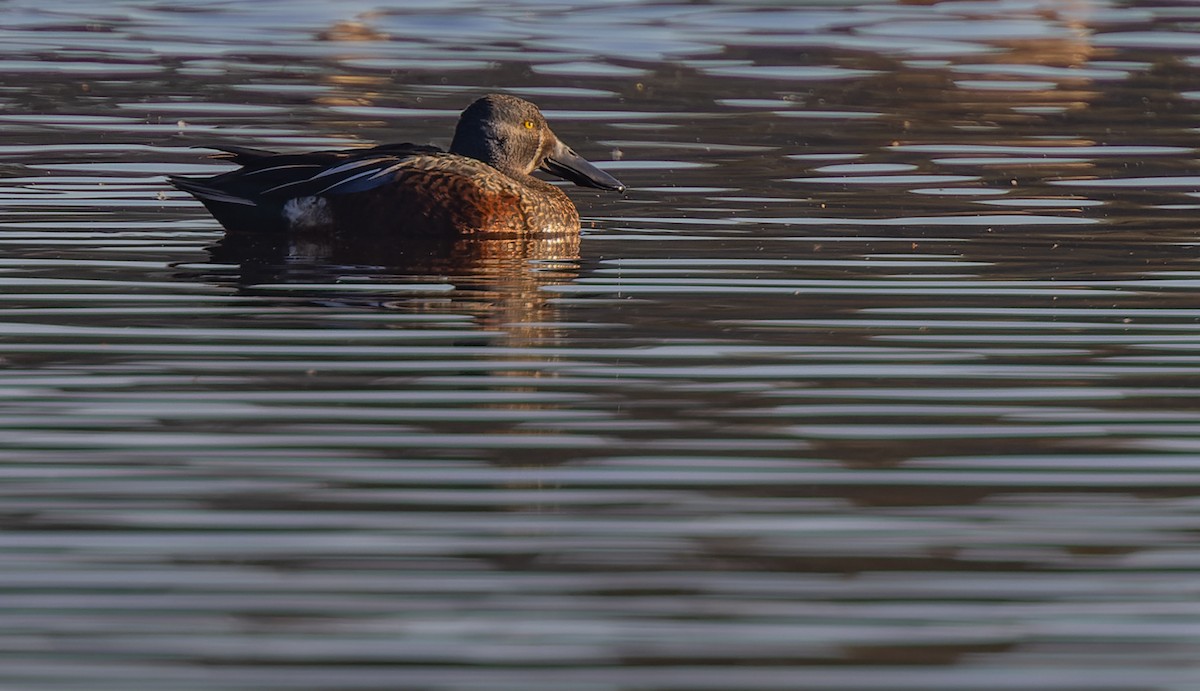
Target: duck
(484,184)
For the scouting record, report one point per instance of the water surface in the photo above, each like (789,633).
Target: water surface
(883,375)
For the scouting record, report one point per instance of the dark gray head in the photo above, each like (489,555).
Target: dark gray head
(511,135)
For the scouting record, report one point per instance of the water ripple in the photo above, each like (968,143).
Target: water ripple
(790,409)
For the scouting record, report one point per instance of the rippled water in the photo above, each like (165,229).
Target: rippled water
(885,374)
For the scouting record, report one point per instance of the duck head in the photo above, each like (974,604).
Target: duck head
(511,135)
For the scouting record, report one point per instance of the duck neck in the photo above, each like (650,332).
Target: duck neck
(481,147)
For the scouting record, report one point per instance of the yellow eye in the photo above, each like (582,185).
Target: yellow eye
(528,124)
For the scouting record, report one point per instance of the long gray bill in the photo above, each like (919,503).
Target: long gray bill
(569,165)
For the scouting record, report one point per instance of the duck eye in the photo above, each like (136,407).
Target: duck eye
(528,124)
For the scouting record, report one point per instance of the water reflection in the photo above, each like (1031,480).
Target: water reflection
(505,275)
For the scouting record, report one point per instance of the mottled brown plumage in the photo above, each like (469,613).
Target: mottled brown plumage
(453,193)
(484,184)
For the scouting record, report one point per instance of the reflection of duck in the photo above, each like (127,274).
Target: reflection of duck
(499,279)
(432,254)
(483,184)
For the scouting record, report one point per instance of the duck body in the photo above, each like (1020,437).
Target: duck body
(484,184)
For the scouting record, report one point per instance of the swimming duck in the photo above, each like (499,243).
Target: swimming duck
(484,184)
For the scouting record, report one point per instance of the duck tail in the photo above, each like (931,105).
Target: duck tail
(207,193)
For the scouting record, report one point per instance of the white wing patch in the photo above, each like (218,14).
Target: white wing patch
(307,212)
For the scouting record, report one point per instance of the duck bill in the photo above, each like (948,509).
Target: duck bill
(569,165)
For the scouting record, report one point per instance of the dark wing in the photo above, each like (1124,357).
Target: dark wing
(359,174)
(260,159)
(242,155)
(270,174)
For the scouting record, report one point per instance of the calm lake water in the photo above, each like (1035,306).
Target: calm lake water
(885,373)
